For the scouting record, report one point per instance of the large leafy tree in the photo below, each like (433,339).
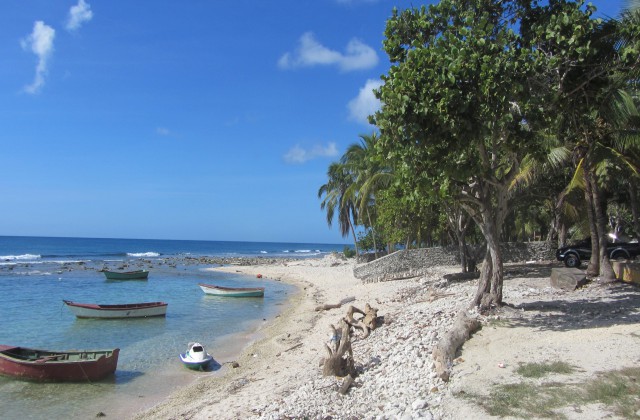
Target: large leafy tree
(458,110)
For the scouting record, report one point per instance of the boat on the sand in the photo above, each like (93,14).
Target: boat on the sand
(210,289)
(127,310)
(57,366)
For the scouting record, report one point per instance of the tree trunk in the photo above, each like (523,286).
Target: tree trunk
(484,282)
(562,235)
(556,221)
(459,223)
(593,269)
(633,201)
(606,270)
(355,239)
(373,235)
(462,250)
(489,291)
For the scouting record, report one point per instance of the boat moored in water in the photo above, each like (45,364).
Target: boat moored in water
(118,311)
(126,275)
(57,366)
(210,289)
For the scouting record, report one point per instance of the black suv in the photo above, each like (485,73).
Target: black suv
(573,255)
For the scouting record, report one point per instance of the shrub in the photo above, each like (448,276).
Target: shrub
(348,252)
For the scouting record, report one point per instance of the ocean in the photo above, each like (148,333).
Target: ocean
(37,273)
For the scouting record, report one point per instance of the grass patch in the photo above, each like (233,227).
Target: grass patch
(526,400)
(618,390)
(539,370)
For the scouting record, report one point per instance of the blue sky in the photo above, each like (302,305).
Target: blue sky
(198,119)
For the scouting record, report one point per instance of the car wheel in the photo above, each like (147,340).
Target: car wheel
(618,256)
(572,261)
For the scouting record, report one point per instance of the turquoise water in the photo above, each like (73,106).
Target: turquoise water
(33,315)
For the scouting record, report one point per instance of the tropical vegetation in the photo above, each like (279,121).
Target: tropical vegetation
(500,120)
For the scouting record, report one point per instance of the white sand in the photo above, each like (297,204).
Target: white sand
(279,374)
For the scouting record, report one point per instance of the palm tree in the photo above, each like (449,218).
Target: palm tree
(337,197)
(370,175)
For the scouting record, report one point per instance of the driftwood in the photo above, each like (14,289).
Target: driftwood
(433,294)
(445,350)
(326,307)
(367,323)
(340,361)
(346,384)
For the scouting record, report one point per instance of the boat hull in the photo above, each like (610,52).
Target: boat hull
(210,289)
(52,366)
(126,275)
(195,365)
(131,310)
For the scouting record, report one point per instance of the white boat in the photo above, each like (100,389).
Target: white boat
(210,289)
(127,310)
(196,357)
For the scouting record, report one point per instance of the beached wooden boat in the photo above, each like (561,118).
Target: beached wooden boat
(127,310)
(126,275)
(196,357)
(57,366)
(210,289)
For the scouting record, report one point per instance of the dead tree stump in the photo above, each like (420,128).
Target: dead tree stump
(340,361)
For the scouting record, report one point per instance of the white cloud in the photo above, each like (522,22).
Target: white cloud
(162,131)
(298,154)
(365,103)
(78,14)
(311,53)
(40,42)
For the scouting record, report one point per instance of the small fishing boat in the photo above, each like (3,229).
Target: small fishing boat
(57,366)
(196,357)
(127,310)
(210,289)
(126,275)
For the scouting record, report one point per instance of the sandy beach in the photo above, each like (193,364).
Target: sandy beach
(279,375)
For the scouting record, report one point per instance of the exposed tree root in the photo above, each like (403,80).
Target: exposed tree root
(445,350)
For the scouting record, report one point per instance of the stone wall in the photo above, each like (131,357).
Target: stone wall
(416,262)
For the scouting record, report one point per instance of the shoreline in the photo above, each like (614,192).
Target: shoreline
(226,350)
(292,345)
(250,354)
(279,376)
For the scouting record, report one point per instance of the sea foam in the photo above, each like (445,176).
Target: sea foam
(143,254)
(19,257)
